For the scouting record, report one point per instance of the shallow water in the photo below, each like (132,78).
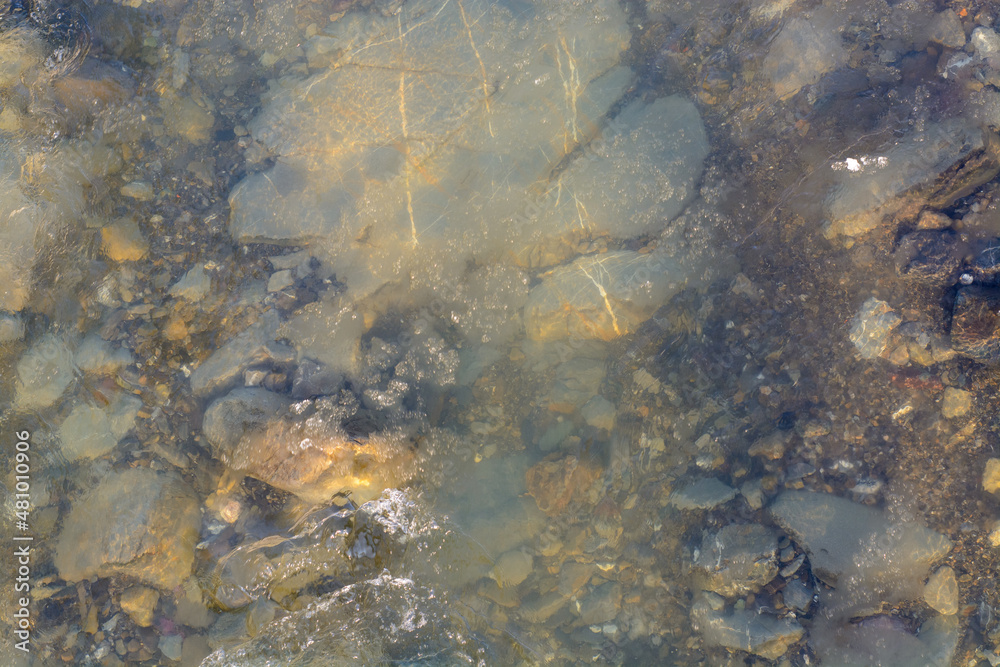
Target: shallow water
(494,333)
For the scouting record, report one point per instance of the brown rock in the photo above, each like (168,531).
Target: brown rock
(137,523)
(574,576)
(139,603)
(554,483)
(121,241)
(176,329)
(771,446)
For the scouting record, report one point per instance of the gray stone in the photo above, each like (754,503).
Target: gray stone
(946,29)
(656,154)
(555,435)
(577,380)
(489,101)
(872,326)
(11,328)
(606,296)
(884,640)
(865,193)
(193,285)
(137,523)
(753,493)
(97,356)
(384,619)
(170,646)
(986,43)
(253,346)
(329,332)
(704,494)
(139,190)
(599,413)
(22,222)
(797,595)
(89,432)
(601,604)
(279,280)
(858,550)
(743,630)
(239,413)
(804,50)
(43,373)
(314,379)
(736,560)
(573,577)
(538,609)
(512,568)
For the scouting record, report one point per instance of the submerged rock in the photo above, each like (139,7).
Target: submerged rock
(930,256)
(20,223)
(602,296)
(43,373)
(884,641)
(237,414)
(137,523)
(254,345)
(705,494)
(871,327)
(941,592)
(90,431)
(11,328)
(867,558)
(737,560)
(382,620)
(931,167)
(556,482)
(755,632)
(424,122)
(306,451)
(804,50)
(975,323)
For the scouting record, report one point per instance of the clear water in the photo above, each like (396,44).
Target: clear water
(392,332)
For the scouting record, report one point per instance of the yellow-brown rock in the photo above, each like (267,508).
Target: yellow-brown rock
(121,241)
(138,523)
(139,602)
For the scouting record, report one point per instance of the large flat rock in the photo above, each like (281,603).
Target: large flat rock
(858,550)
(137,523)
